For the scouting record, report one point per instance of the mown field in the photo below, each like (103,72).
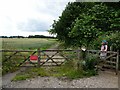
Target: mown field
(21,44)
(27,43)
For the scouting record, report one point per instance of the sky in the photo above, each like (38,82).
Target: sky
(29,17)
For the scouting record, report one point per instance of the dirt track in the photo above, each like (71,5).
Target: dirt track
(105,79)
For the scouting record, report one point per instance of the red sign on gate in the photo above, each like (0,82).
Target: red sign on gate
(33,57)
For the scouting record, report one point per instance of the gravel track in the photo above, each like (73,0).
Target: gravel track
(104,79)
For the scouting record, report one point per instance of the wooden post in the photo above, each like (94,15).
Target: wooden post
(79,57)
(38,57)
(110,54)
(117,62)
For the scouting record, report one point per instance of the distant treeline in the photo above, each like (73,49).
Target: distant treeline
(30,36)
(39,36)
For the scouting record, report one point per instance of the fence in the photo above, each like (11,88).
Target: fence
(43,56)
(111,61)
(58,57)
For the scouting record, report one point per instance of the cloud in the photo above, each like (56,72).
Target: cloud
(33,25)
(26,16)
(52,8)
(43,16)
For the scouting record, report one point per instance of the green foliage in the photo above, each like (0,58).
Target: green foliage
(62,27)
(93,23)
(113,39)
(31,73)
(82,23)
(21,77)
(67,71)
(83,32)
(8,66)
(39,72)
(72,73)
(90,62)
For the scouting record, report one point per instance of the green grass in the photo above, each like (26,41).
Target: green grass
(21,77)
(67,70)
(27,43)
(21,44)
(31,73)
(58,72)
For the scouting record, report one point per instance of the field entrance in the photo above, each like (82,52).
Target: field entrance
(26,58)
(110,62)
(39,57)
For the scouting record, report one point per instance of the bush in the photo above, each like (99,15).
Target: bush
(90,62)
(113,40)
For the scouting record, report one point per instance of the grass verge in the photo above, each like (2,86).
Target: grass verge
(55,72)
(67,71)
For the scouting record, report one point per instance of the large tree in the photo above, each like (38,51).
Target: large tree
(81,23)
(62,27)
(93,23)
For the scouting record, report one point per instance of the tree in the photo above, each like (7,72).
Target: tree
(81,23)
(62,27)
(94,22)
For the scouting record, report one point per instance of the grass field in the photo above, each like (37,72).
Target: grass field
(21,44)
(27,43)
(67,70)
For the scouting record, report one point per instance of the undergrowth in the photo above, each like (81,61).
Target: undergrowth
(67,70)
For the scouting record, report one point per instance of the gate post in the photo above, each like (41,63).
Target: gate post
(117,62)
(39,57)
(79,57)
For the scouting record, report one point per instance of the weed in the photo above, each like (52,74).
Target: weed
(21,77)
(59,72)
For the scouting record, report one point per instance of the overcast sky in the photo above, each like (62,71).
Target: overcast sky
(29,17)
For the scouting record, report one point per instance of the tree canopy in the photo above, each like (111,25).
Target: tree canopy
(83,22)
